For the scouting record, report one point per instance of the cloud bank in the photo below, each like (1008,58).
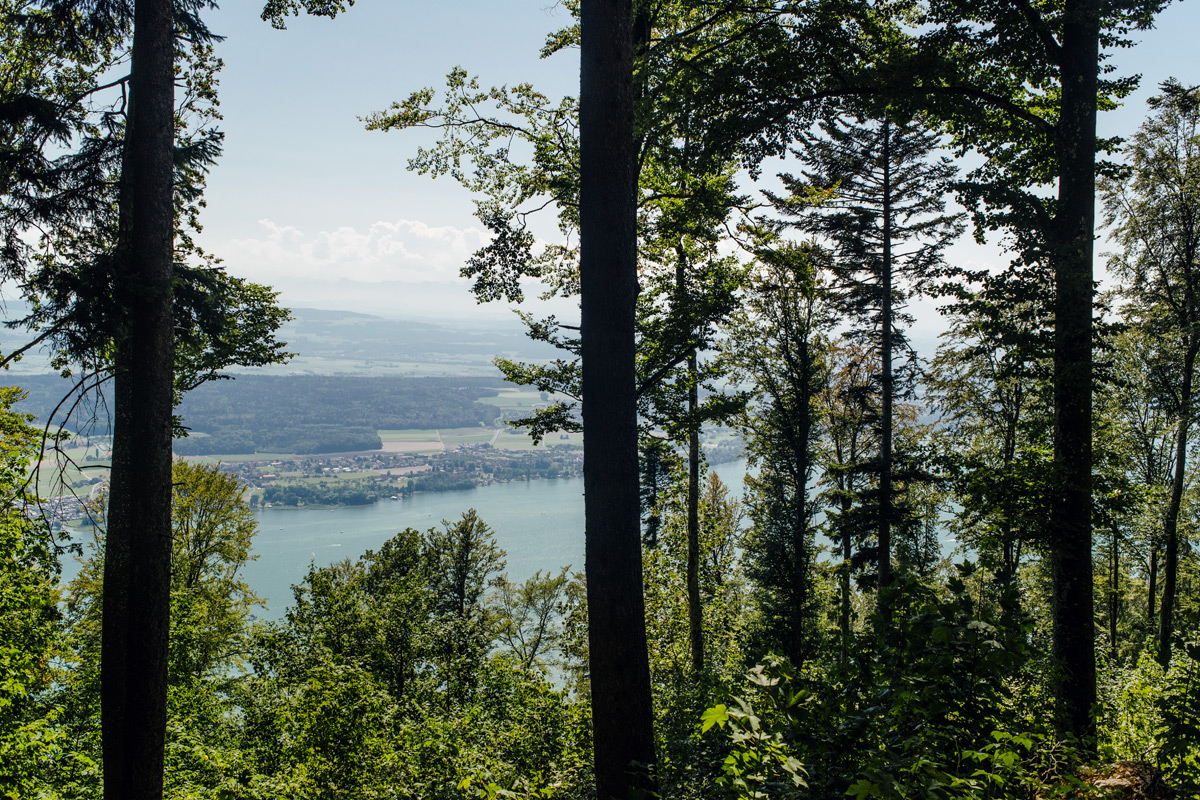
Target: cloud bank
(404,250)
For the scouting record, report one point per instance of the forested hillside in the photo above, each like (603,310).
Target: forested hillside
(966,573)
(307,414)
(291,413)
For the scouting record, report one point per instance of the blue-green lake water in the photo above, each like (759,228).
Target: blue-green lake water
(539,524)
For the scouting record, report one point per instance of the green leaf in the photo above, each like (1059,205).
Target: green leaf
(717,715)
(863,788)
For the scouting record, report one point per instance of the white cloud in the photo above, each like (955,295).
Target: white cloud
(404,250)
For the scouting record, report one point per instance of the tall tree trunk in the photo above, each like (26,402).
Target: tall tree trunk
(1074,637)
(886,380)
(800,585)
(695,620)
(1152,584)
(1114,588)
(800,464)
(622,717)
(1171,524)
(1007,530)
(844,580)
(137,567)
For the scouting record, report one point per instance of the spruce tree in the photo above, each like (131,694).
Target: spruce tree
(881,208)
(137,558)
(778,348)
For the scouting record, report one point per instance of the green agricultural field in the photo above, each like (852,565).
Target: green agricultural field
(246,457)
(514,439)
(409,436)
(54,482)
(288,474)
(376,368)
(455,437)
(326,478)
(510,398)
(414,441)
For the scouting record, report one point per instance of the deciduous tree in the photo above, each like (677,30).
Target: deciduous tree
(1156,216)
(622,718)
(29,616)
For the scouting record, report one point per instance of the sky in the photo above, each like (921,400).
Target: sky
(307,200)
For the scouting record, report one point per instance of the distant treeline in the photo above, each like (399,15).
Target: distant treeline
(356,494)
(288,413)
(283,438)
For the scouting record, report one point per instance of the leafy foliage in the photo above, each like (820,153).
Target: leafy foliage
(30,735)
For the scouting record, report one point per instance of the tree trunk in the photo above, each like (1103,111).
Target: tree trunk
(622,718)
(137,567)
(1008,531)
(800,585)
(1074,637)
(844,580)
(695,620)
(886,382)
(1114,588)
(1171,524)
(1152,584)
(799,466)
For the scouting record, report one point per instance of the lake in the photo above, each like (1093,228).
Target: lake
(539,523)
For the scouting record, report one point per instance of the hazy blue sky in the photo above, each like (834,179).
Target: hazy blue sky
(305,198)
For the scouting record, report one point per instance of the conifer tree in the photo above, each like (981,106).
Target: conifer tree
(883,212)
(849,441)
(137,560)
(777,346)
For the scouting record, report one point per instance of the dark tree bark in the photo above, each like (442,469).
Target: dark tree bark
(1074,637)
(1166,626)
(1152,585)
(887,379)
(798,649)
(622,717)
(844,584)
(1114,589)
(1008,567)
(802,367)
(695,618)
(133,669)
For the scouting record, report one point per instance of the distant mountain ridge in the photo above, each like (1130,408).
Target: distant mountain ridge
(337,342)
